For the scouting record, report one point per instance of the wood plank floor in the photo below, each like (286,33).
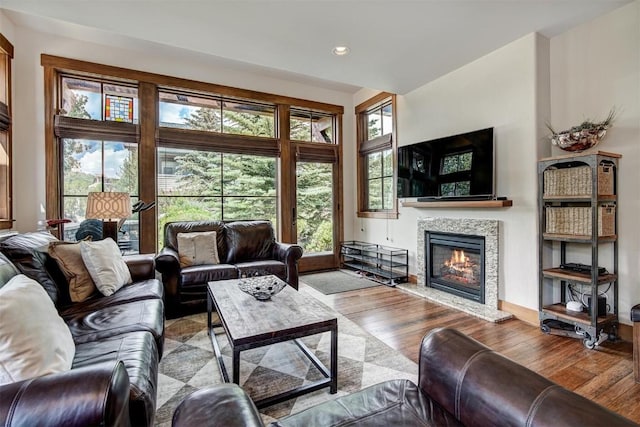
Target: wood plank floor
(401,319)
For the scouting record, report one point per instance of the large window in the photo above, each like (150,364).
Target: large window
(203,185)
(376,154)
(6,211)
(198,150)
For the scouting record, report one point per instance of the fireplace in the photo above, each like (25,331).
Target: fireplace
(455,264)
(464,294)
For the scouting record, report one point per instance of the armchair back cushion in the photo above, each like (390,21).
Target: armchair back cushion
(172,229)
(249,240)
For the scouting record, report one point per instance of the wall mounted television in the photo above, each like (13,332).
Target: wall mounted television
(453,167)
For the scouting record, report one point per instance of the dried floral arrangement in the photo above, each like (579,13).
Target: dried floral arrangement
(583,136)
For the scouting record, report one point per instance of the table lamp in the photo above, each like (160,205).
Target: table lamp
(109,207)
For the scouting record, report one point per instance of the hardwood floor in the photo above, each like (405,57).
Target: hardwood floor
(400,319)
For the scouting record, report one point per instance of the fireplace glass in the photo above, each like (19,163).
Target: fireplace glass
(455,264)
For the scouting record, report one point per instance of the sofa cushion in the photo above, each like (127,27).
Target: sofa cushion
(69,259)
(148,289)
(262,268)
(198,248)
(391,403)
(7,270)
(109,322)
(34,340)
(28,251)
(171,230)
(104,262)
(137,350)
(249,240)
(199,275)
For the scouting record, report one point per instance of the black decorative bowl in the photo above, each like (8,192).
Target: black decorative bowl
(261,287)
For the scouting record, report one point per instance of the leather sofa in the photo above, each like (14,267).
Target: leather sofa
(118,344)
(635,318)
(461,382)
(245,248)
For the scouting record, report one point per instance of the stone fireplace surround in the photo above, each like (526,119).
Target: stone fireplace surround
(489,229)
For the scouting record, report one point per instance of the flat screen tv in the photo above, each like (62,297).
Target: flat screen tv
(453,167)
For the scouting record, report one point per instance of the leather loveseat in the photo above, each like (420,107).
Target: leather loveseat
(461,383)
(244,248)
(118,344)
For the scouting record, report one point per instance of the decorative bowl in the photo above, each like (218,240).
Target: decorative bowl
(261,287)
(579,140)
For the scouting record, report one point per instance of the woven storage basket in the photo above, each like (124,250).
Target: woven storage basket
(577,220)
(576,181)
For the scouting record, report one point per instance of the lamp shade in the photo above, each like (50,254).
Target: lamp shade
(109,205)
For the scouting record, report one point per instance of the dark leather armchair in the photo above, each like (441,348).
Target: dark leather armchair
(461,383)
(245,248)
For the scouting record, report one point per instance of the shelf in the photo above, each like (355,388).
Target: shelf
(388,274)
(369,259)
(572,276)
(579,155)
(583,198)
(578,238)
(560,311)
(460,204)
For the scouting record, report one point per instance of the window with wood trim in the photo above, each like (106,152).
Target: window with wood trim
(6,203)
(203,151)
(376,157)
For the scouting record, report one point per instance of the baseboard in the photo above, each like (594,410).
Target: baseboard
(519,312)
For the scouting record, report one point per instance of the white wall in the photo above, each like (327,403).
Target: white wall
(594,67)
(28,136)
(499,90)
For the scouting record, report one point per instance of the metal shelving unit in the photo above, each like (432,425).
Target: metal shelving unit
(384,264)
(579,212)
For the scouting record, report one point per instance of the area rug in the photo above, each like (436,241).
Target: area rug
(333,282)
(188,364)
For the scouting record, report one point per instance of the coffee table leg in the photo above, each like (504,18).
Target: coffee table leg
(334,361)
(236,366)
(209,310)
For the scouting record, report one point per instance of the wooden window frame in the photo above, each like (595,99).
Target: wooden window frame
(6,129)
(150,135)
(379,144)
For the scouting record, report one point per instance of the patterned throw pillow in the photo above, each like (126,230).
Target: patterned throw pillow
(197,248)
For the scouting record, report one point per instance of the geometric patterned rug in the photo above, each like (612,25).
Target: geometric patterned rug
(188,364)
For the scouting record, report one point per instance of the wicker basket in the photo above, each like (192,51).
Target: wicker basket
(576,181)
(577,220)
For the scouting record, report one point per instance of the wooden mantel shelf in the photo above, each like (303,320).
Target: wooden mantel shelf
(460,204)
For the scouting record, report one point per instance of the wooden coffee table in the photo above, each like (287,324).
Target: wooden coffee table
(250,323)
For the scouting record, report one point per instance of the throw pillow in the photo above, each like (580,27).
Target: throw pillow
(105,264)
(197,248)
(34,340)
(69,259)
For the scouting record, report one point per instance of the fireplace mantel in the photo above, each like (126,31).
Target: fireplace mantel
(460,204)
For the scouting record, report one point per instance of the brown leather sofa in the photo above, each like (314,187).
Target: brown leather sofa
(119,341)
(245,248)
(461,383)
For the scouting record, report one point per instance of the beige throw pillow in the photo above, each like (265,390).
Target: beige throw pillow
(105,264)
(69,259)
(34,340)
(198,248)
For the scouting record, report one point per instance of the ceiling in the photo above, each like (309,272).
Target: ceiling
(395,45)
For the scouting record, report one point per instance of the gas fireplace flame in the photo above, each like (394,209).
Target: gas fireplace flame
(458,258)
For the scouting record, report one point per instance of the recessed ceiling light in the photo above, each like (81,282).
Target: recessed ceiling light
(340,50)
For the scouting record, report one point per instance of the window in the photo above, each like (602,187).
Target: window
(198,150)
(6,209)
(376,154)
(215,186)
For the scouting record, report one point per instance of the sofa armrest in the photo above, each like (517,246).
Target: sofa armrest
(289,254)
(93,396)
(481,387)
(167,261)
(223,405)
(142,267)
(168,264)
